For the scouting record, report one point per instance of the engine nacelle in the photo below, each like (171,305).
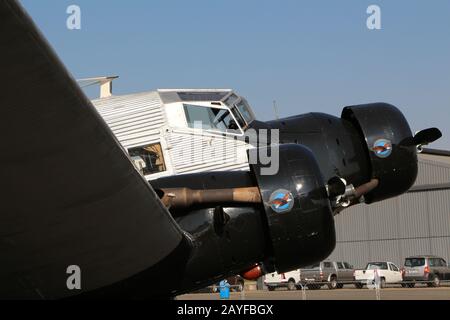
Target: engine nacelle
(297,208)
(386,135)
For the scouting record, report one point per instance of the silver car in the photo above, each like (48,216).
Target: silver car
(431,269)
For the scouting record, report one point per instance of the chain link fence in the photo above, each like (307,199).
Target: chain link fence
(376,286)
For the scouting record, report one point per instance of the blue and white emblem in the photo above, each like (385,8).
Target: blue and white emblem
(382,148)
(281,201)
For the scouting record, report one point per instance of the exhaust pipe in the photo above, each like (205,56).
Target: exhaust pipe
(181,198)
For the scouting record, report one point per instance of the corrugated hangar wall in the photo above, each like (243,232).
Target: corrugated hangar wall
(415,223)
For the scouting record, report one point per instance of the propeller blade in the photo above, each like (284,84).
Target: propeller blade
(427,136)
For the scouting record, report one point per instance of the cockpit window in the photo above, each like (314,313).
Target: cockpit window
(201,96)
(244,109)
(239,118)
(241,110)
(148,159)
(210,118)
(231,100)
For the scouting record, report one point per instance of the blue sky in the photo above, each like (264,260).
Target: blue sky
(308,55)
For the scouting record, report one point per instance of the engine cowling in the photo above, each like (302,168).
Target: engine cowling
(297,208)
(385,135)
(289,224)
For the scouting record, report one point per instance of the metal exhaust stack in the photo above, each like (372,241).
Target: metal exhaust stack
(179,198)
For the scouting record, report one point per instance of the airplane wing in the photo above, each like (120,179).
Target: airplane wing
(69,194)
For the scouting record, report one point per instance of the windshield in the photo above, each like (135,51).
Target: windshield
(244,110)
(415,262)
(210,118)
(231,100)
(240,109)
(377,265)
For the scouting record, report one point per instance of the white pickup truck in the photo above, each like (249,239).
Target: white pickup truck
(289,280)
(378,272)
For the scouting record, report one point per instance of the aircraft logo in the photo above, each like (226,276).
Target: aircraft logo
(382,148)
(281,201)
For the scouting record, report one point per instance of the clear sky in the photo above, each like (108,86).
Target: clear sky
(313,55)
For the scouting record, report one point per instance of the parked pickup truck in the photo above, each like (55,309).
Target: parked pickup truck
(381,272)
(289,280)
(333,274)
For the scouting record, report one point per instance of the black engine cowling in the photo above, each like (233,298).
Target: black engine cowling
(297,208)
(291,226)
(385,133)
(372,141)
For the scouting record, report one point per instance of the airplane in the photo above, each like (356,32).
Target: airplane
(72,196)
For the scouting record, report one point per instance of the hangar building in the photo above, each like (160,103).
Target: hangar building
(417,222)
